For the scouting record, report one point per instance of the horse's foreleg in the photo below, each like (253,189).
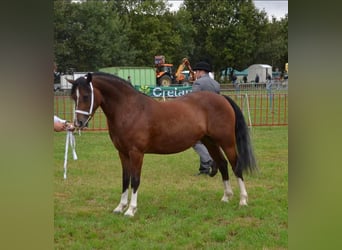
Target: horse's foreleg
(123,202)
(125,184)
(136,159)
(133,205)
(135,182)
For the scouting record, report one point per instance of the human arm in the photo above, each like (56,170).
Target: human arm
(61,125)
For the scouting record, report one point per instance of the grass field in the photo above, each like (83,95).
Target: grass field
(176,210)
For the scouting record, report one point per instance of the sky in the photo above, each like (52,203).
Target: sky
(276,8)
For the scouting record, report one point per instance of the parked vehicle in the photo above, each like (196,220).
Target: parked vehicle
(165,76)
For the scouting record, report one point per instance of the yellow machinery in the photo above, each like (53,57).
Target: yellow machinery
(165,76)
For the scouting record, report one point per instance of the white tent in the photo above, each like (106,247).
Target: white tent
(261,69)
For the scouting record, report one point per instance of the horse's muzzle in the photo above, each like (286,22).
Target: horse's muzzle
(80,124)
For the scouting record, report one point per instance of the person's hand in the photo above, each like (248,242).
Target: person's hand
(69,126)
(63,126)
(59,126)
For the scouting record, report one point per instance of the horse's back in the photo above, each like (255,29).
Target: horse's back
(206,109)
(218,112)
(211,103)
(200,99)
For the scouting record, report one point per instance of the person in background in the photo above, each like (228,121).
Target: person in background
(268,81)
(61,125)
(129,80)
(257,78)
(204,83)
(235,83)
(234,79)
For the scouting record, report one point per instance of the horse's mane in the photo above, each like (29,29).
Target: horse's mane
(113,77)
(81,81)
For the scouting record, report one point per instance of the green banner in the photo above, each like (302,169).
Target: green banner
(164,92)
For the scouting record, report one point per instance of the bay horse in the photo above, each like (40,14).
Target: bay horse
(139,124)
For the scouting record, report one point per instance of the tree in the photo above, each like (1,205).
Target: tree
(272,47)
(227,31)
(184,30)
(157,31)
(89,36)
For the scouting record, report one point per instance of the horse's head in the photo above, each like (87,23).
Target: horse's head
(83,94)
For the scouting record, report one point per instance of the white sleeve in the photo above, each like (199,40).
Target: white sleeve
(57,119)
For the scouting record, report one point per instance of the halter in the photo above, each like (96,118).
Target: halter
(89,113)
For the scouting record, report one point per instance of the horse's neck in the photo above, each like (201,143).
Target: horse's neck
(115,98)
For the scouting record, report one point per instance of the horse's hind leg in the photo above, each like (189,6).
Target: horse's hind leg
(231,154)
(215,154)
(221,163)
(241,183)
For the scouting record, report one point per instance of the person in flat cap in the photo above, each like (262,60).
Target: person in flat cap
(204,83)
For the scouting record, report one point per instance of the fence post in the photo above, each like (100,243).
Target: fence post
(248,111)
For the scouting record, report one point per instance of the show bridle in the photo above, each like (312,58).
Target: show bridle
(88,113)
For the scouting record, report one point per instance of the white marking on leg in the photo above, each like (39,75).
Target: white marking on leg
(133,205)
(243,193)
(227,191)
(123,203)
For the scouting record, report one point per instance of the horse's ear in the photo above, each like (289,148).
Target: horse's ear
(89,77)
(70,80)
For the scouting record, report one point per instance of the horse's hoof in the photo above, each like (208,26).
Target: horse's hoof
(129,215)
(119,209)
(225,199)
(243,204)
(243,201)
(131,211)
(227,196)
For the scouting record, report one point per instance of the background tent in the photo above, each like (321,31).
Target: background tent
(261,69)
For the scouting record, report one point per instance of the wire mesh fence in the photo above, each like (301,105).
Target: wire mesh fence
(262,105)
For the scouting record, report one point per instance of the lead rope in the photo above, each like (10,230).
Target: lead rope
(70,139)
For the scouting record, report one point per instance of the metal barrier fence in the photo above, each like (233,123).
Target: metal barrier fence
(261,107)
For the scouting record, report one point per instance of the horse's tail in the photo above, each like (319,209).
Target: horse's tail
(246,160)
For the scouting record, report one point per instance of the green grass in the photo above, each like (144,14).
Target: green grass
(176,210)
